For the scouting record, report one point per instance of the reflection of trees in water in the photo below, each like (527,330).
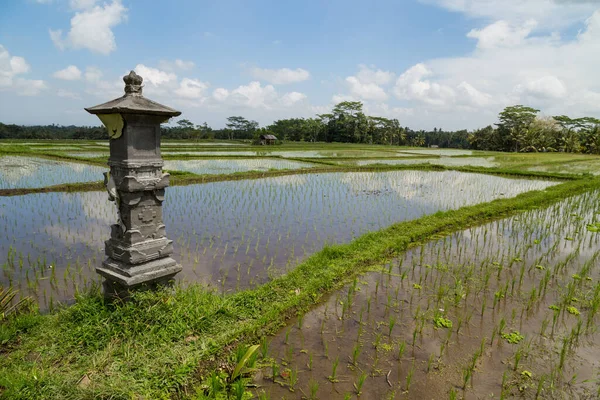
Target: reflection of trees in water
(232,165)
(26,172)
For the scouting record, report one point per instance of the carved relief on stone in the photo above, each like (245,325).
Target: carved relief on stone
(138,253)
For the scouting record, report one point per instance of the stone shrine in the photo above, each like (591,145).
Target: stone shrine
(139,252)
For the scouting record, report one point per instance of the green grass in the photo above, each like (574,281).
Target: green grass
(161,344)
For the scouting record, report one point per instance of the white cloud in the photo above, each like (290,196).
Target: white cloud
(592,31)
(71,73)
(371,75)
(544,87)
(289,99)
(178,64)
(367,91)
(155,76)
(508,66)
(100,88)
(10,68)
(91,28)
(411,85)
(471,96)
(502,33)
(281,76)
(93,74)
(338,98)
(254,95)
(191,88)
(384,110)
(550,14)
(367,84)
(221,94)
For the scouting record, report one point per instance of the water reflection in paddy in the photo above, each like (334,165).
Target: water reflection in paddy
(31,172)
(291,154)
(488,162)
(228,166)
(232,234)
(440,152)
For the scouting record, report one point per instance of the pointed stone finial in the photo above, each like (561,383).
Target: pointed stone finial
(133,83)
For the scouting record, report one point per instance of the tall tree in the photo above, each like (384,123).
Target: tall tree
(240,127)
(514,122)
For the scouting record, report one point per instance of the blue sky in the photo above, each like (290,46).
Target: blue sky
(430,63)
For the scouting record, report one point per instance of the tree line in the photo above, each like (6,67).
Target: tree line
(520,129)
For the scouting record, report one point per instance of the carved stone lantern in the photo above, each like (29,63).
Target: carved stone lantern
(138,249)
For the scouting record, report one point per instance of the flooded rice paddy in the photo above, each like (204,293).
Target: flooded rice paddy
(504,310)
(187,143)
(576,167)
(440,152)
(487,162)
(290,154)
(31,172)
(87,154)
(216,166)
(229,234)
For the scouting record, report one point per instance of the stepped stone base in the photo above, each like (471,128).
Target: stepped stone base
(121,278)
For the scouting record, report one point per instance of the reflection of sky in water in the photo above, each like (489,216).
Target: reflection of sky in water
(87,154)
(440,152)
(240,231)
(200,144)
(209,153)
(336,153)
(54,148)
(229,166)
(445,161)
(32,172)
(175,144)
(292,154)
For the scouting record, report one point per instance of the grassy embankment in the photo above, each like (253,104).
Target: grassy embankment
(161,344)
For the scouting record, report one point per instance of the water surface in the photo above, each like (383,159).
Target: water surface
(32,172)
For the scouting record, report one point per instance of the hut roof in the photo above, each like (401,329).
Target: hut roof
(268,137)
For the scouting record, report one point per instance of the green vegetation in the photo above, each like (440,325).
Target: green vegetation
(513,337)
(197,342)
(167,343)
(520,130)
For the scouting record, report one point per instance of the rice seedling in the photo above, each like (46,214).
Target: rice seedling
(409,376)
(314,388)
(333,377)
(359,384)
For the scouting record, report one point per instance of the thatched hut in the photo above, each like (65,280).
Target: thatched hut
(267,139)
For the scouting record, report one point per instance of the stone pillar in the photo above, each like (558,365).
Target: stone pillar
(139,252)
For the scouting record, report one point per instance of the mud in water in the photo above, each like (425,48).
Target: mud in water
(489,312)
